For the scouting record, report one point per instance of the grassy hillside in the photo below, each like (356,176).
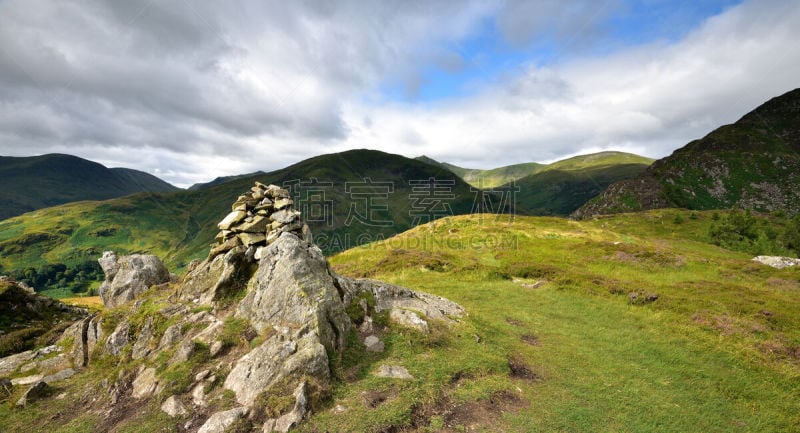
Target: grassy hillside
(37,182)
(563,186)
(632,323)
(488,178)
(629,323)
(179,226)
(752,164)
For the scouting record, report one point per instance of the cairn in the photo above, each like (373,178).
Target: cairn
(257,218)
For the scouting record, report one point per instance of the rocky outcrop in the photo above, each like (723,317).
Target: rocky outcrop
(129,276)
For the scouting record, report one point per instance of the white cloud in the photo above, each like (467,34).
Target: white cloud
(194,90)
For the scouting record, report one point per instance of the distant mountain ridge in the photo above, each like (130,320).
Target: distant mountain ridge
(753,163)
(557,188)
(35,182)
(332,191)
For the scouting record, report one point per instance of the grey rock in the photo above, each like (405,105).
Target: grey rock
(132,275)
(145,383)
(184,352)
(257,225)
(79,352)
(218,422)
(284,216)
(367,326)
(409,319)
(224,247)
(215,348)
(248,239)
(291,419)
(174,407)
(215,277)
(118,339)
(27,380)
(171,336)
(37,391)
(393,372)
(294,288)
(199,395)
(10,363)
(109,265)
(55,363)
(141,348)
(94,334)
(275,360)
(61,375)
(231,219)
(373,344)
(777,262)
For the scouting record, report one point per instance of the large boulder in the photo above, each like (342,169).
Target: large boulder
(129,276)
(294,288)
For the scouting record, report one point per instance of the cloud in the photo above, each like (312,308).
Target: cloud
(194,90)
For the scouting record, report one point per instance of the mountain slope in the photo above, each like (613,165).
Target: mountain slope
(37,182)
(179,226)
(563,186)
(753,164)
(488,178)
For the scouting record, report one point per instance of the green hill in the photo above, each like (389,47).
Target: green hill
(179,226)
(36,182)
(751,164)
(563,186)
(488,178)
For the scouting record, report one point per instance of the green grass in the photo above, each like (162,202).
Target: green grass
(714,352)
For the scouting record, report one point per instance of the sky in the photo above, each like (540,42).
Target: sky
(192,90)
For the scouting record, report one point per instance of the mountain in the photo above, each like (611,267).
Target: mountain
(488,178)
(563,186)
(36,182)
(751,164)
(223,179)
(348,199)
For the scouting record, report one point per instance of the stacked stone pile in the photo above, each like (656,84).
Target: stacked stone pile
(257,218)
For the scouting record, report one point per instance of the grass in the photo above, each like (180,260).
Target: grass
(714,351)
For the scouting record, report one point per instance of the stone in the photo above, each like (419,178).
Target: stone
(257,225)
(94,334)
(373,344)
(215,348)
(231,219)
(224,247)
(109,265)
(248,239)
(220,421)
(202,375)
(131,276)
(393,372)
(777,262)
(61,375)
(184,352)
(273,362)
(27,380)
(141,348)
(291,419)
(367,326)
(10,363)
(294,288)
(284,216)
(277,192)
(215,277)
(171,336)
(55,363)
(145,383)
(118,339)
(174,407)
(282,203)
(37,391)
(409,319)
(199,395)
